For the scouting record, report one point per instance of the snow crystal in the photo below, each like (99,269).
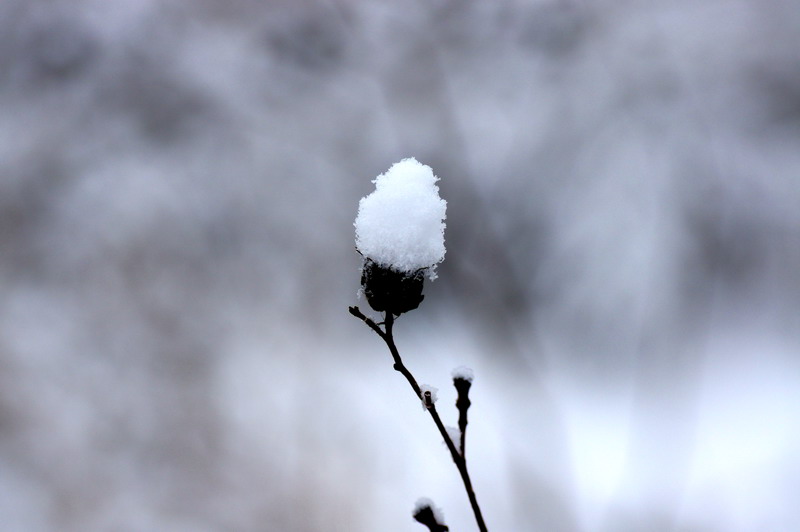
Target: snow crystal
(427,388)
(425,502)
(463,372)
(400,225)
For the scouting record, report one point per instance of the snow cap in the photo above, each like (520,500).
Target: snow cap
(463,373)
(400,225)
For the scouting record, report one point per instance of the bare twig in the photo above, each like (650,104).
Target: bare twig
(458,457)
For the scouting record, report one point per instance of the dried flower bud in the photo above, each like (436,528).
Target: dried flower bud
(429,515)
(462,380)
(462,386)
(388,290)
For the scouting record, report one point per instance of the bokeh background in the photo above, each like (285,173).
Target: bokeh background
(178,182)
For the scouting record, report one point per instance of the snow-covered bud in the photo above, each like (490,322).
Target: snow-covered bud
(427,394)
(400,234)
(462,380)
(429,515)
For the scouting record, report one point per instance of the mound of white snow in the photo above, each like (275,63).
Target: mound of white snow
(401,224)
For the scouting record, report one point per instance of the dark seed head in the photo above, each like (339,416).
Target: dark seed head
(388,290)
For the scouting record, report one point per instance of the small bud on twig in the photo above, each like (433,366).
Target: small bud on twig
(427,394)
(462,380)
(429,515)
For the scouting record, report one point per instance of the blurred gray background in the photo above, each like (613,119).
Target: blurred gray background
(178,183)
